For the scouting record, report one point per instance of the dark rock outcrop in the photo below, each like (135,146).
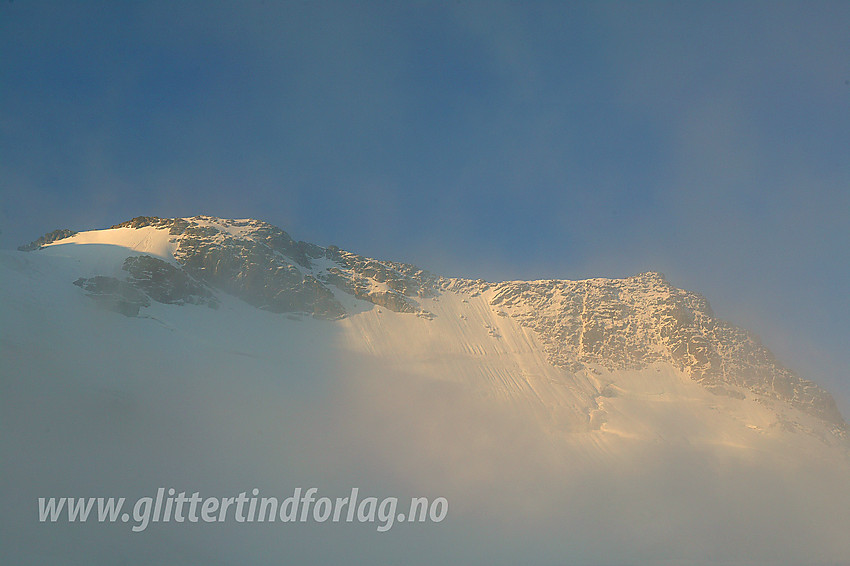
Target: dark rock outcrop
(165,283)
(267,268)
(114,294)
(46,239)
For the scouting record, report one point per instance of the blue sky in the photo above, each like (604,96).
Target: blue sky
(498,140)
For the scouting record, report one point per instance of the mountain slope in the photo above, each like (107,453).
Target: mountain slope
(582,326)
(567,422)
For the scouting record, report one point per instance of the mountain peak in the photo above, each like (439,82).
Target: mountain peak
(585,325)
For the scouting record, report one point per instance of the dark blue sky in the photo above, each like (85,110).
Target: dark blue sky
(708,140)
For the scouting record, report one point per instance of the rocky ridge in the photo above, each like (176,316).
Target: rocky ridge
(637,321)
(595,323)
(48,238)
(264,266)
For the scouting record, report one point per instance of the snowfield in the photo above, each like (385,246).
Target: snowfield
(151,241)
(593,466)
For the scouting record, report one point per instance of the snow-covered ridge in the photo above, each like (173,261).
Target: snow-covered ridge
(148,240)
(615,324)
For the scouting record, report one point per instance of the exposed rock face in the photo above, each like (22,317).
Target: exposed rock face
(633,322)
(114,294)
(264,273)
(46,239)
(149,279)
(610,323)
(165,283)
(399,283)
(264,266)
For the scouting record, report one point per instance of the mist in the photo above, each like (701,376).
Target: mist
(95,404)
(484,140)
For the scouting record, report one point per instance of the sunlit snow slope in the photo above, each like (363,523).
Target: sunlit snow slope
(229,352)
